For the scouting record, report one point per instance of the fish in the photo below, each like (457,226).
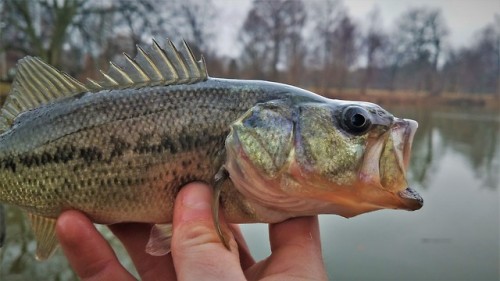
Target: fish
(119,149)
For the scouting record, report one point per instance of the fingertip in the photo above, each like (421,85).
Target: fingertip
(302,231)
(87,251)
(195,242)
(300,238)
(71,227)
(193,203)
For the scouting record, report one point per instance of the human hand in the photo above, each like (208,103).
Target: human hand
(197,252)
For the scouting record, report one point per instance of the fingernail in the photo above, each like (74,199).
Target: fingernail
(198,198)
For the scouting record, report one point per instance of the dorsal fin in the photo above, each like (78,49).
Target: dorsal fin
(36,83)
(152,67)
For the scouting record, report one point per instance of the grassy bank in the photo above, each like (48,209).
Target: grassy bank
(388,98)
(4,90)
(419,99)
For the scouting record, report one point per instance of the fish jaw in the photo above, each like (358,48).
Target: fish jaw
(383,173)
(325,171)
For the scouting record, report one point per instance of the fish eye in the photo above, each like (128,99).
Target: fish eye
(356,120)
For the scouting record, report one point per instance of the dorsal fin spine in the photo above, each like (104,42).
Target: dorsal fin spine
(158,67)
(203,67)
(47,83)
(167,63)
(31,96)
(8,112)
(52,75)
(109,78)
(49,78)
(189,60)
(27,101)
(154,74)
(73,84)
(182,62)
(36,83)
(34,86)
(177,62)
(93,84)
(142,75)
(124,77)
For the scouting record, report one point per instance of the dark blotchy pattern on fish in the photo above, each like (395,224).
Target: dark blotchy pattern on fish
(120,149)
(139,147)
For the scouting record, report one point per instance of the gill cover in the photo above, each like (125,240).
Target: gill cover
(265,136)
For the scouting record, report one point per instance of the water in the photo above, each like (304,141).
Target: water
(455,167)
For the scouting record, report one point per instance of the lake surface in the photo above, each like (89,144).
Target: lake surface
(455,166)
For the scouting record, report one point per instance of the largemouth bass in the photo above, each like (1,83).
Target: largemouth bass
(120,149)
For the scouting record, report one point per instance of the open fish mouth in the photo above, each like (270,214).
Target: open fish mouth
(402,134)
(385,167)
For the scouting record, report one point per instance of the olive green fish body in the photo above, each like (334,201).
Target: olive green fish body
(121,155)
(120,149)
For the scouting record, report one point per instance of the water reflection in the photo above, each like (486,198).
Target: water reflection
(455,165)
(472,133)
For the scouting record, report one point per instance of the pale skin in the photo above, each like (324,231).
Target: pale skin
(197,252)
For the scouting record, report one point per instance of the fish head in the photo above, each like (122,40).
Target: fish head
(339,157)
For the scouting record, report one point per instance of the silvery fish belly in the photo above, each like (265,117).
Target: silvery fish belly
(120,149)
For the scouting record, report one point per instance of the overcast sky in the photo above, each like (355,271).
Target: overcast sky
(463,17)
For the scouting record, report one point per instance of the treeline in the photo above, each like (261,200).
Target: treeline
(307,43)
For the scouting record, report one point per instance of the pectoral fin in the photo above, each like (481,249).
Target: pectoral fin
(159,240)
(220,177)
(44,230)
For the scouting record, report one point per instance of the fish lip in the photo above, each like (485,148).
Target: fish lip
(402,133)
(411,200)
(409,133)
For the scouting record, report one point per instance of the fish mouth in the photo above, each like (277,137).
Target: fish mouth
(402,134)
(385,167)
(410,127)
(410,199)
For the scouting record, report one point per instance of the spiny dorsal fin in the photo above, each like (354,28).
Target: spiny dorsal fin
(36,83)
(152,67)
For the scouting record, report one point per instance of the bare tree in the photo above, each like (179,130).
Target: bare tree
(48,28)
(98,29)
(325,17)
(374,42)
(38,27)
(296,50)
(345,50)
(271,31)
(476,69)
(420,34)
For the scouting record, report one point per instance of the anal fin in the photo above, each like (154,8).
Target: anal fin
(159,240)
(44,230)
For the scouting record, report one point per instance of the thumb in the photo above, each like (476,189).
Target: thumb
(197,251)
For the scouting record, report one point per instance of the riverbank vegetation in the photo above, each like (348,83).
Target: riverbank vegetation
(312,44)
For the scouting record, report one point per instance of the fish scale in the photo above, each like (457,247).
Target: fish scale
(134,149)
(120,149)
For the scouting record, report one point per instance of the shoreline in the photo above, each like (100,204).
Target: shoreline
(383,97)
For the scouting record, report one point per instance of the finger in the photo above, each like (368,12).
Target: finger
(246,259)
(298,238)
(134,236)
(197,251)
(300,232)
(87,251)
